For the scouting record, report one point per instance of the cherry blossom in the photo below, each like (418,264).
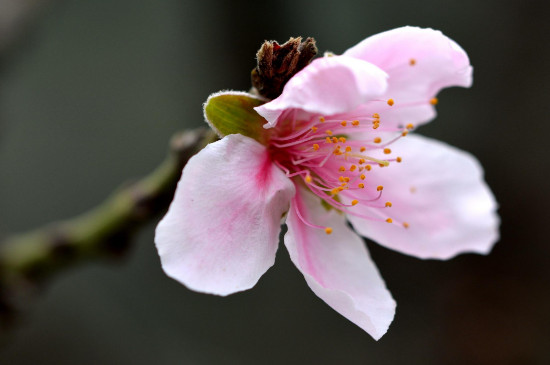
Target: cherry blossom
(335,147)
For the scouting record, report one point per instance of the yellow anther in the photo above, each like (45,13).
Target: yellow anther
(368,167)
(398,159)
(315,146)
(361,186)
(340,188)
(329,132)
(434,101)
(376,115)
(362,177)
(348,149)
(379,188)
(337,152)
(308,178)
(334,140)
(334,191)
(375,126)
(322,119)
(387,151)
(390,102)
(388,204)
(383,165)
(328,230)
(377,140)
(342,169)
(409,126)
(389,220)
(355,123)
(405,224)
(362,149)
(341,179)
(412,62)
(343,123)
(352,168)
(346,179)
(343,184)
(354,202)
(361,161)
(404,133)
(328,140)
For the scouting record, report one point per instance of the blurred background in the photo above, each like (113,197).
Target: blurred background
(90,93)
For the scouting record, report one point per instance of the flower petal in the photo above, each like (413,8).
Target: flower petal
(327,86)
(419,62)
(338,267)
(222,229)
(438,190)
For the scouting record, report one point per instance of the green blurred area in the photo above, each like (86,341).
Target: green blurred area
(90,96)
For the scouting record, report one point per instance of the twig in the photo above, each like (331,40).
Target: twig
(27,260)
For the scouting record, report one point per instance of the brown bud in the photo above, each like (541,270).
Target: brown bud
(278,63)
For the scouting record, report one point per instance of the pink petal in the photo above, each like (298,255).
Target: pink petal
(439,191)
(327,86)
(222,229)
(338,267)
(438,63)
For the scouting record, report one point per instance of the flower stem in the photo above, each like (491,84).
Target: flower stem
(28,259)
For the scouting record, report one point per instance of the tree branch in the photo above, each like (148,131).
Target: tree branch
(28,259)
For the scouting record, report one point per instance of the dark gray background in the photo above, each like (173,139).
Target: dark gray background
(90,96)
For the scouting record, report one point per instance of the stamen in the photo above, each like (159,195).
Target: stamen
(322,119)
(412,62)
(354,202)
(328,230)
(348,149)
(387,151)
(389,220)
(342,169)
(328,140)
(344,123)
(390,102)
(398,159)
(308,179)
(376,115)
(362,177)
(314,129)
(379,188)
(342,139)
(361,186)
(315,146)
(377,140)
(329,132)
(404,133)
(409,126)
(368,167)
(352,168)
(406,225)
(362,149)
(434,101)
(388,204)
(355,123)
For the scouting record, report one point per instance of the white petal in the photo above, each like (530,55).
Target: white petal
(338,267)
(221,232)
(439,191)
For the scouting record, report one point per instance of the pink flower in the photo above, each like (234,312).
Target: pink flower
(334,147)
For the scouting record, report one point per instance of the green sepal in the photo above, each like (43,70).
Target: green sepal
(233,112)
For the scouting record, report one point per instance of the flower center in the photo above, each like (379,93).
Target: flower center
(333,156)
